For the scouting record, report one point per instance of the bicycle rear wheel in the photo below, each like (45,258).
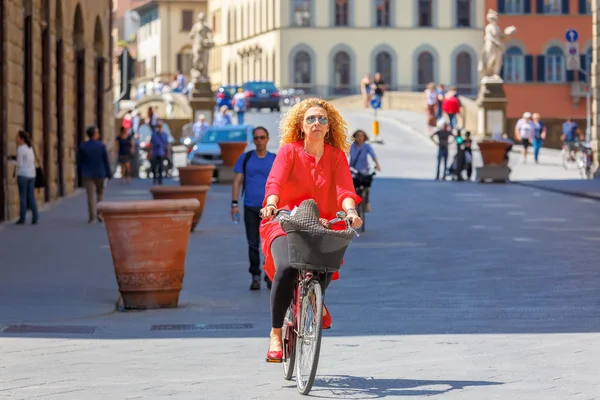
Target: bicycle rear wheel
(308,342)
(289,343)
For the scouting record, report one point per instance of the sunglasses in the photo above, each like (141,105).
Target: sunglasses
(312,119)
(260,137)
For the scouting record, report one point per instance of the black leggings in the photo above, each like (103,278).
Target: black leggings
(284,281)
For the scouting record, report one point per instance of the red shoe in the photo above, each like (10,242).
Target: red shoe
(274,356)
(326,322)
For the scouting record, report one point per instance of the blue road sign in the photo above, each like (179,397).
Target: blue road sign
(376,102)
(571,35)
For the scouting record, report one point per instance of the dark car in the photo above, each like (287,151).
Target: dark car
(261,94)
(225,95)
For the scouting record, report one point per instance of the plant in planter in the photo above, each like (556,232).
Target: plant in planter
(196,175)
(231,151)
(183,192)
(493,151)
(148,240)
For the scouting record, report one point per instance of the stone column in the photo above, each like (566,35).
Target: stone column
(595,72)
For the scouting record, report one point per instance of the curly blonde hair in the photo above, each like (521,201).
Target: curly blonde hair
(291,125)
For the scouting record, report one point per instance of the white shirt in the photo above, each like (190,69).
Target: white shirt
(526,129)
(25,161)
(431,97)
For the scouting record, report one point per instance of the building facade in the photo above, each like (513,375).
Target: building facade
(534,70)
(163,43)
(327,46)
(55,79)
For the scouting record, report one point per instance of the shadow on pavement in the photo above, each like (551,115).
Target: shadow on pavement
(437,258)
(374,388)
(584,188)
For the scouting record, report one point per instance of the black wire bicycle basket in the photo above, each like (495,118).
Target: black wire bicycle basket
(311,245)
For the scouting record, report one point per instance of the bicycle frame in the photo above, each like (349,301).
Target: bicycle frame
(303,279)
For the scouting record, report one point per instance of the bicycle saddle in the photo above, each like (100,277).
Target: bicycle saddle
(311,245)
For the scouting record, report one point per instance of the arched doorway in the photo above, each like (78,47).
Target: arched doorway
(79,45)
(341,73)
(99,61)
(46,96)
(3,133)
(425,67)
(59,98)
(464,74)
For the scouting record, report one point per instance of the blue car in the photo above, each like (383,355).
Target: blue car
(207,150)
(225,94)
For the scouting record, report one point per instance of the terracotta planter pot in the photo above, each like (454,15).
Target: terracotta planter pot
(231,151)
(148,240)
(183,192)
(492,152)
(196,175)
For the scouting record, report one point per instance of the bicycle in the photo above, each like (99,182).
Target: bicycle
(301,331)
(362,187)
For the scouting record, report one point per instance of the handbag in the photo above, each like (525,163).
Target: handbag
(40,178)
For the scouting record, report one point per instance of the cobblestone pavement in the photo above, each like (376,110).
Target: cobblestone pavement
(456,291)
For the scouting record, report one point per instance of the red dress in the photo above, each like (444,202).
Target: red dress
(296,177)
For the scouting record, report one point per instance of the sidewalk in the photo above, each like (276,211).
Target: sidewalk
(62,268)
(549,174)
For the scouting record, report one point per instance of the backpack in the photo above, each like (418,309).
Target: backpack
(240,103)
(247,156)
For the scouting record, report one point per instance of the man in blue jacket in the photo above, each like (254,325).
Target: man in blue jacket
(93,165)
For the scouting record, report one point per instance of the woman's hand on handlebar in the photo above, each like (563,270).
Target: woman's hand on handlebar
(355,221)
(268,211)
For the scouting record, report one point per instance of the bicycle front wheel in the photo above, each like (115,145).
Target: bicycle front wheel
(308,342)
(289,343)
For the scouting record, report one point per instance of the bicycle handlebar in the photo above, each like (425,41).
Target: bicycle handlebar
(341,216)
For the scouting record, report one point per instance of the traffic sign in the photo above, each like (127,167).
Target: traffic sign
(376,102)
(572,58)
(571,35)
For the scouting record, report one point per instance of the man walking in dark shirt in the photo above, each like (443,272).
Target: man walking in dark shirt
(443,134)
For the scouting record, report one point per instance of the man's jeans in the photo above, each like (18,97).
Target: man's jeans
(157,168)
(93,186)
(453,121)
(252,222)
(240,117)
(27,197)
(442,154)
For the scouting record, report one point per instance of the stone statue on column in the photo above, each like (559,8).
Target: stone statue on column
(202,42)
(490,62)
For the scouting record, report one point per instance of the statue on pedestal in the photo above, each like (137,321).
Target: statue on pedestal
(202,42)
(490,62)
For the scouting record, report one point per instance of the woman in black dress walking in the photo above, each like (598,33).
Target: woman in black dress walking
(125,153)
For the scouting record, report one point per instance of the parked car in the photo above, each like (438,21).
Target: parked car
(261,94)
(225,95)
(207,150)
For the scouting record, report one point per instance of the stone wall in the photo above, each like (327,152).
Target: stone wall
(94,20)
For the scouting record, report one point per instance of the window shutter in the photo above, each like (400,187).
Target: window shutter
(540,7)
(582,60)
(528,68)
(502,67)
(565,7)
(582,6)
(501,7)
(541,68)
(570,76)
(527,7)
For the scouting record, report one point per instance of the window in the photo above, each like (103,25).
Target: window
(301,12)
(187,20)
(383,12)
(184,61)
(514,65)
(552,6)
(216,21)
(383,65)
(514,6)
(425,13)
(585,7)
(342,12)
(302,72)
(464,73)
(424,70)
(341,78)
(555,65)
(154,61)
(463,13)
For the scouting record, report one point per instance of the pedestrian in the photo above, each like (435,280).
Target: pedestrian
(378,86)
(222,118)
(365,90)
(92,161)
(25,171)
(468,154)
(539,130)
(200,128)
(360,151)
(124,148)
(451,106)
(524,132)
(569,136)
(440,92)
(430,104)
(443,134)
(239,105)
(159,152)
(251,172)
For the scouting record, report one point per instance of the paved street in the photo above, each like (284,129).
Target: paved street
(456,291)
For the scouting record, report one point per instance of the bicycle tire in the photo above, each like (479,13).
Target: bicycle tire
(305,377)
(289,343)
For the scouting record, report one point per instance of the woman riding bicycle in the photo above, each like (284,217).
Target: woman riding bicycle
(359,161)
(311,164)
